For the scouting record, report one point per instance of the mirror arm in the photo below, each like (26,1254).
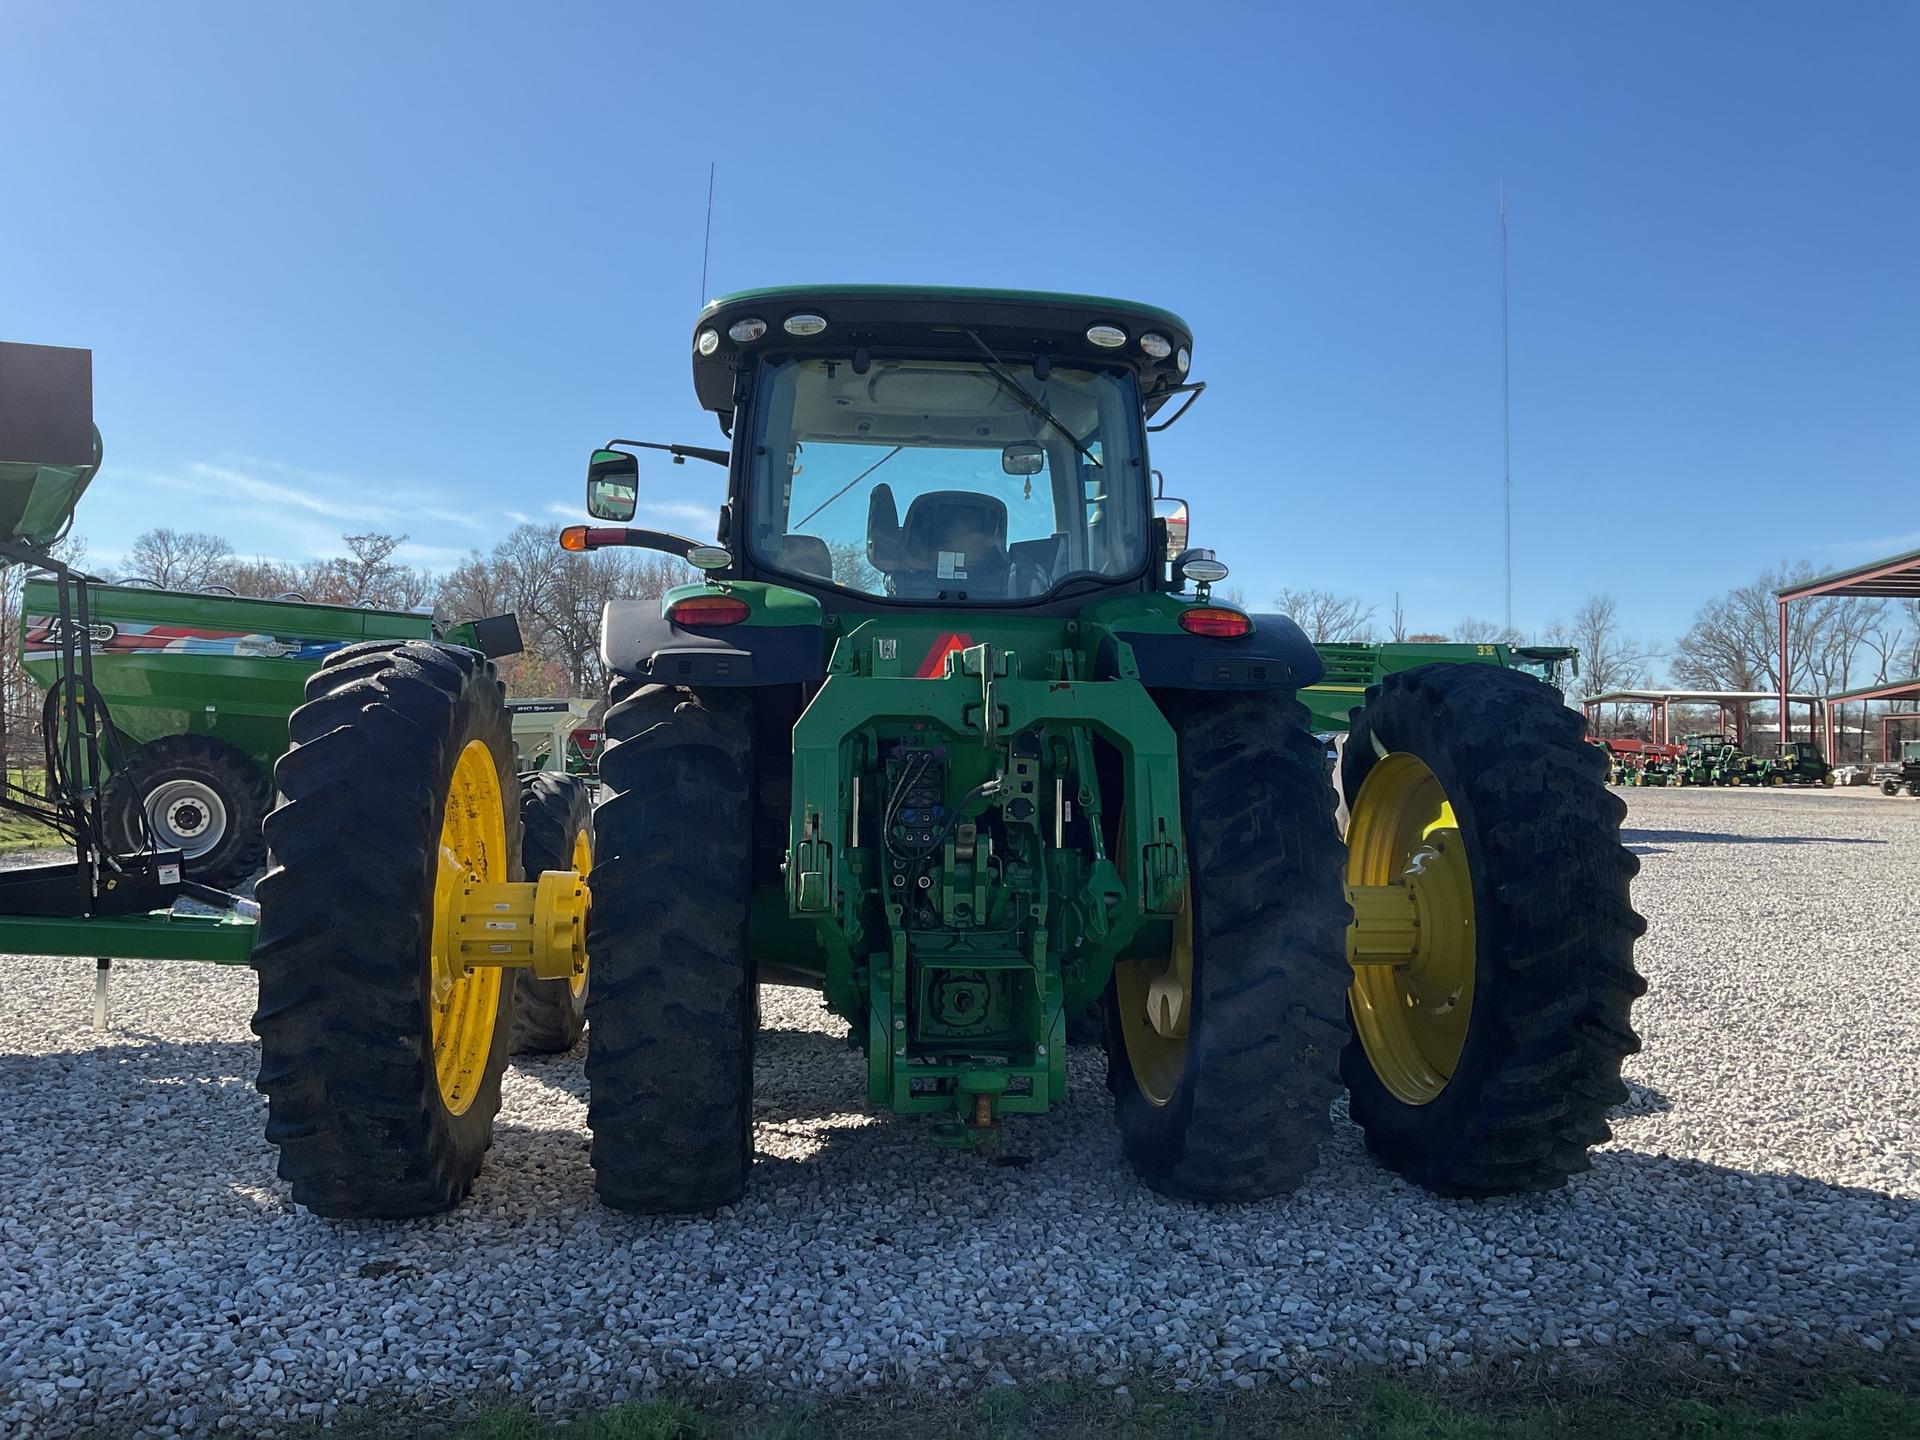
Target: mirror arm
(680,453)
(598,537)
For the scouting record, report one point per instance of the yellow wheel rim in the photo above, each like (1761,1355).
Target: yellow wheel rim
(466,1003)
(1155,996)
(1412,1017)
(582,863)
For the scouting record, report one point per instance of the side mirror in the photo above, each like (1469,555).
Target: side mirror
(1174,514)
(1023,457)
(613,485)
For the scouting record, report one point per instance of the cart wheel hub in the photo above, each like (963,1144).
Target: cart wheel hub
(187,816)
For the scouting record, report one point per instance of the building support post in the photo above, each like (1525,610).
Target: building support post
(1786,720)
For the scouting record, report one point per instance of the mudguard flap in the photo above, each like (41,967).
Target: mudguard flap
(1276,656)
(638,641)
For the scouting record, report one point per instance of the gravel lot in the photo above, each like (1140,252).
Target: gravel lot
(1763,1192)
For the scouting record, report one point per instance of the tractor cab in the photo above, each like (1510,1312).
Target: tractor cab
(895,446)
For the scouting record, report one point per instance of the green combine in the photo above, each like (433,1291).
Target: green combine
(952,730)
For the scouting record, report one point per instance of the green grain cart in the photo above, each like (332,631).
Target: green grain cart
(199,686)
(951,732)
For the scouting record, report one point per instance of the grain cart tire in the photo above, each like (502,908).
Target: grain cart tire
(1889,787)
(556,828)
(1236,1109)
(1488,1064)
(381,1068)
(672,1005)
(201,796)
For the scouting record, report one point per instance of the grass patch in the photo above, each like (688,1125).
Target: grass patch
(17,832)
(1846,1410)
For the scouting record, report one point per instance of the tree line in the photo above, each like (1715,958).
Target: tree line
(1834,643)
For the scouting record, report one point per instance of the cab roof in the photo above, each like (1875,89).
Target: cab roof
(930,321)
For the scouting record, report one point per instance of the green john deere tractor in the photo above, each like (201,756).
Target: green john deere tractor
(953,731)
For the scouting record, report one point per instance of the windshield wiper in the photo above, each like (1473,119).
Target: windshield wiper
(846,487)
(1014,388)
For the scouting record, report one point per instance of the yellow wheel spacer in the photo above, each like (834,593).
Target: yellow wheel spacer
(582,863)
(1412,1016)
(466,1003)
(1155,997)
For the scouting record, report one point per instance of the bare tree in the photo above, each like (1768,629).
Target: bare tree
(1734,641)
(1609,659)
(20,695)
(1397,622)
(179,559)
(1471,630)
(1328,619)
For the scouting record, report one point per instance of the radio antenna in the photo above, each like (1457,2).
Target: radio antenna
(706,245)
(1506,409)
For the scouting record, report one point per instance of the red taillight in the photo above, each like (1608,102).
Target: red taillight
(1213,620)
(708,610)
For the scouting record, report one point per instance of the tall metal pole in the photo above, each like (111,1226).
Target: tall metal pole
(706,244)
(1506,410)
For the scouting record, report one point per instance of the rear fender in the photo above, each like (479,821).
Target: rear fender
(1139,638)
(781,642)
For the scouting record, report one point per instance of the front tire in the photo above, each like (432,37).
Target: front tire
(670,1043)
(1237,1109)
(1495,1073)
(381,1067)
(556,823)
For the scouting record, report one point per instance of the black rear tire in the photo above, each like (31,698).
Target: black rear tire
(344,956)
(1247,1115)
(1554,928)
(550,1016)
(670,1046)
(204,770)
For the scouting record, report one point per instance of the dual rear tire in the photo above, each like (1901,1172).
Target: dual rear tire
(1483,1065)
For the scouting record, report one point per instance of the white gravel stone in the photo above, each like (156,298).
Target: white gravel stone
(1762,1191)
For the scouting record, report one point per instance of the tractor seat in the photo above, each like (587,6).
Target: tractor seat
(952,538)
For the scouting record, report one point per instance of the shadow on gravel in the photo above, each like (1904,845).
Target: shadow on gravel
(1641,1100)
(1634,839)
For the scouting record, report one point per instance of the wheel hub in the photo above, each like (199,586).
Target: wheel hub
(465,1001)
(186,815)
(1155,998)
(1412,943)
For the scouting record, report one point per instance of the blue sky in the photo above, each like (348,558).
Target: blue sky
(401,267)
